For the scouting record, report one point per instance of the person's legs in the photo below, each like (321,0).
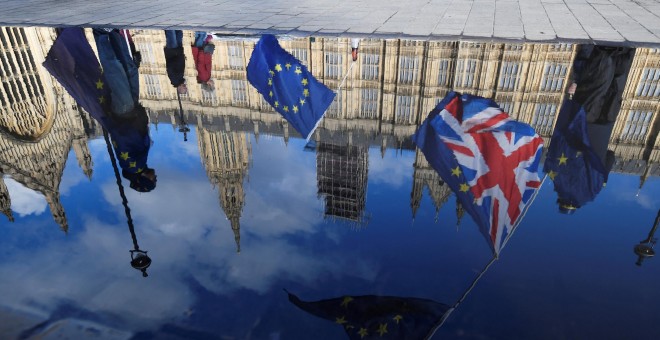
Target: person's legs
(121,101)
(171,38)
(122,52)
(179,38)
(200,39)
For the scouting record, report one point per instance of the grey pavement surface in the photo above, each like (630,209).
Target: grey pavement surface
(626,22)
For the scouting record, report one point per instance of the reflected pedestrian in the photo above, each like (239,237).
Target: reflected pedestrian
(175,60)
(120,71)
(355,44)
(202,51)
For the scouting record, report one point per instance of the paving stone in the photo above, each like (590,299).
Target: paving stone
(630,21)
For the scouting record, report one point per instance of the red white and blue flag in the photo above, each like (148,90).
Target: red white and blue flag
(488,159)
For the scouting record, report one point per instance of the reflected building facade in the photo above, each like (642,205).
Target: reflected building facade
(386,95)
(40,128)
(341,172)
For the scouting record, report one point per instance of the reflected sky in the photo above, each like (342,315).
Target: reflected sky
(570,276)
(549,277)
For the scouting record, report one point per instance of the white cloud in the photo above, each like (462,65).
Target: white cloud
(25,201)
(182,226)
(393,170)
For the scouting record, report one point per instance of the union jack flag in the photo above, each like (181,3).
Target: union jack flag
(488,159)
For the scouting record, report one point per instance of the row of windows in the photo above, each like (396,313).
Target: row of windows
(509,73)
(235,54)
(649,84)
(544,118)
(637,125)
(553,77)
(333,64)
(408,67)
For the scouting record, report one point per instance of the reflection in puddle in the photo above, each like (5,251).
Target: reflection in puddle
(197,83)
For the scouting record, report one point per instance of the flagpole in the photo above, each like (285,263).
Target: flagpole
(141,261)
(124,200)
(345,76)
(490,263)
(183,128)
(323,116)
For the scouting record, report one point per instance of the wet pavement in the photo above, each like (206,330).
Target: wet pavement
(622,21)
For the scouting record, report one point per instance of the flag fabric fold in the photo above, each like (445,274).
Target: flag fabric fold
(287,85)
(73,63)
(571,163)
(489,160)
(378,317)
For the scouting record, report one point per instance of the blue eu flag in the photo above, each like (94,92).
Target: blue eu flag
(72,62)
(288,86)
(572,164)
(379,317)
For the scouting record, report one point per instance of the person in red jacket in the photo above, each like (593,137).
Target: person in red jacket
(202,51)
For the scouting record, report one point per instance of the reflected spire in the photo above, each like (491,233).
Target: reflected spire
(256,130)
(84,157)
(643,178)
(57,210)
(5,200)
(226,158)
(286,133)
(236,228)
(459,212)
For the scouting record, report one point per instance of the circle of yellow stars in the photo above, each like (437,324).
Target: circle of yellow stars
(304,82)
(380,329)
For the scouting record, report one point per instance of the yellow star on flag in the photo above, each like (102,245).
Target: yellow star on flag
(456,171)
(124,156)
(277,104)
(578,154)
(270,94)
(271,72)
(382,329)
(285,108)
(288,66)
(139,170)
(101,99)
(304,82)
(464,187)
(562,159)
(552,175)
(114,144)
(278,68)
(298,70)
(341,320)
(346,301)
(99,85)
(363,332)
(306,92)
(270,81)
(397,318)
(295,109)
(302,102)
(132,164)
